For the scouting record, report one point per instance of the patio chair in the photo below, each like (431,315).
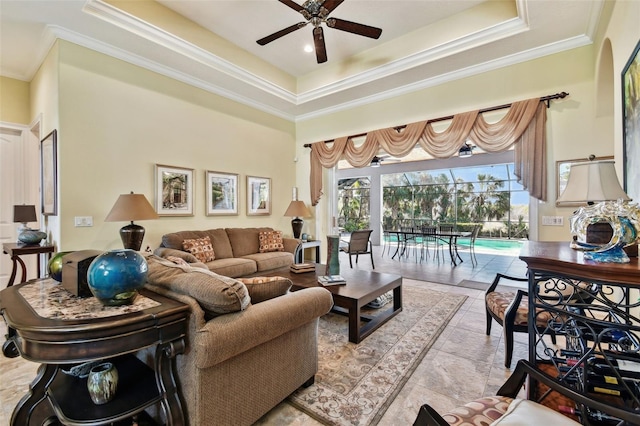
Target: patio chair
(506,408)
(358,244)
(408,241)
(429,237)
(472,244)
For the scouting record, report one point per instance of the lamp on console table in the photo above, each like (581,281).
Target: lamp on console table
(24,214)
(297,209)
(130,207)
(613,216)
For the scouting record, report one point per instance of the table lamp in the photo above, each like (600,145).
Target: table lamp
(24,214)
(130,207)
(297,209)
(594,182)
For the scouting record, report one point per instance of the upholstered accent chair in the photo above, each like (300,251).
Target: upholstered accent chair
(506,409)
(358,244)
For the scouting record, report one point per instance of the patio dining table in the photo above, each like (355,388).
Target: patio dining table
(448,237)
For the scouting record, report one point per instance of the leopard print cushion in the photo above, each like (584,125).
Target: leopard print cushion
(498,302)
(481,412)
(271,241)
(201,248)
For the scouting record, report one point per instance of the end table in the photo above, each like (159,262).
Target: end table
(49,325)
(16,250)
(299,255)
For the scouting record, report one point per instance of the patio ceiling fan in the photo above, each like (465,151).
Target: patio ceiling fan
(316,12)
(377,160)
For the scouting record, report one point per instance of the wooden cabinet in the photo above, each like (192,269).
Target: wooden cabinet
(593,309)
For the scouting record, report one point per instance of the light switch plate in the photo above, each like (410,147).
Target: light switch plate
(81,221)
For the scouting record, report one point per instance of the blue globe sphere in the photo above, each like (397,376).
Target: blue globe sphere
(114,277)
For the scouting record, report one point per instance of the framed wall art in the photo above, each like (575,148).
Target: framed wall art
(174,191)
(631,124)
(49,174)
(562,176)
(222,193)
(258,196)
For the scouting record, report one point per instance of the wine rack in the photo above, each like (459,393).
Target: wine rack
(592,308)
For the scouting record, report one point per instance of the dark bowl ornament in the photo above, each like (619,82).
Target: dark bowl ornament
(114,277)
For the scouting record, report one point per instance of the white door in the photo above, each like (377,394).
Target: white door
(15,177)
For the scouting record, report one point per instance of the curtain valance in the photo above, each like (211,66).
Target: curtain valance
(524,125)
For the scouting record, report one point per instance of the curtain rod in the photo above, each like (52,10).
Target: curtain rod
(547,99)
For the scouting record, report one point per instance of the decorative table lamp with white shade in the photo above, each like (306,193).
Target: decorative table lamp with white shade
(130,207)
(594,182)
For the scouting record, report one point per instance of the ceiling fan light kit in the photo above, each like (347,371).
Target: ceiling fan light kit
(316,12)
(465,151)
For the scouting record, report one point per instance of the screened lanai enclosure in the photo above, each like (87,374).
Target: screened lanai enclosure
(463,196)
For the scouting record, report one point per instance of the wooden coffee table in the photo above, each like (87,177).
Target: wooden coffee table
(362,287)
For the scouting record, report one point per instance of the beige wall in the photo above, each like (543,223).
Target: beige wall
(14,101)
(118,120)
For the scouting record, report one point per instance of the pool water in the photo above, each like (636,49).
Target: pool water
(494,245)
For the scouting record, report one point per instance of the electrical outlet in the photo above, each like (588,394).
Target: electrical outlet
(553,220)
(81,221)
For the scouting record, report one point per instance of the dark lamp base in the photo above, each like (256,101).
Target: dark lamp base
(296,225)
(132,236)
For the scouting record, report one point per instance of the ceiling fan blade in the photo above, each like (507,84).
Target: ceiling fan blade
(293,5)
(353,27)
(278,34)
(330,5)
(318,40)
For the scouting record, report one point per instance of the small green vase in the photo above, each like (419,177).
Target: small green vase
(102,383)
(333,252)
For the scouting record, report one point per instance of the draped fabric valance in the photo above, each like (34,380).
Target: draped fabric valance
(524,125)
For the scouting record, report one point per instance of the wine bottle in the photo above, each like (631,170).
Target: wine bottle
(595,417)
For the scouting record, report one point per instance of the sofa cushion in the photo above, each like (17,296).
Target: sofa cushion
(270,241)
(245,240)
(233,267)
(218,236)
(216,294)
(201,248)
(271,260)
(265,288)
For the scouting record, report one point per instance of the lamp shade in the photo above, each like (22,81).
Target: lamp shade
(297,209)
(130,207)
(24,213)
(592,181)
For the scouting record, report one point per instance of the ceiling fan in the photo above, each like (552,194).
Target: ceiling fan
(377,160)
(316,12)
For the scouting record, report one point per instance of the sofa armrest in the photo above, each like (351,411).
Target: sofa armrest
(226,336)
(291,244)
(186,256)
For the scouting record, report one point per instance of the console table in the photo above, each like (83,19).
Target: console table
(49,325)
(595,308)
(16,250)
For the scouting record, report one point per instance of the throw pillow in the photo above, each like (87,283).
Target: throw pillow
(265,288)
(271,241)
(201,248)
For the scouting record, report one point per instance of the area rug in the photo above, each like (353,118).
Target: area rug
(356,384)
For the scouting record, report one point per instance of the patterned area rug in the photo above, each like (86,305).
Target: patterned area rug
(356,384)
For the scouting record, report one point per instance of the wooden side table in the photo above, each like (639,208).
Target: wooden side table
(16,250)
(299,255)
(49,325)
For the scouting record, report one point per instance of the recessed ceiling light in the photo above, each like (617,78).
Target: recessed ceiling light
(308,48)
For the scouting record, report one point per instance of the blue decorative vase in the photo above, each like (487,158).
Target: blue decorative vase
(114,277)
(333,253)
(31,236)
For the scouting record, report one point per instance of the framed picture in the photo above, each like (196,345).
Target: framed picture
(631,124)
(258,196)
(562,176)
(222,193)
(49,174)
(174,191)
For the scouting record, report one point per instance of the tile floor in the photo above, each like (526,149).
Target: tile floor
(463,364)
